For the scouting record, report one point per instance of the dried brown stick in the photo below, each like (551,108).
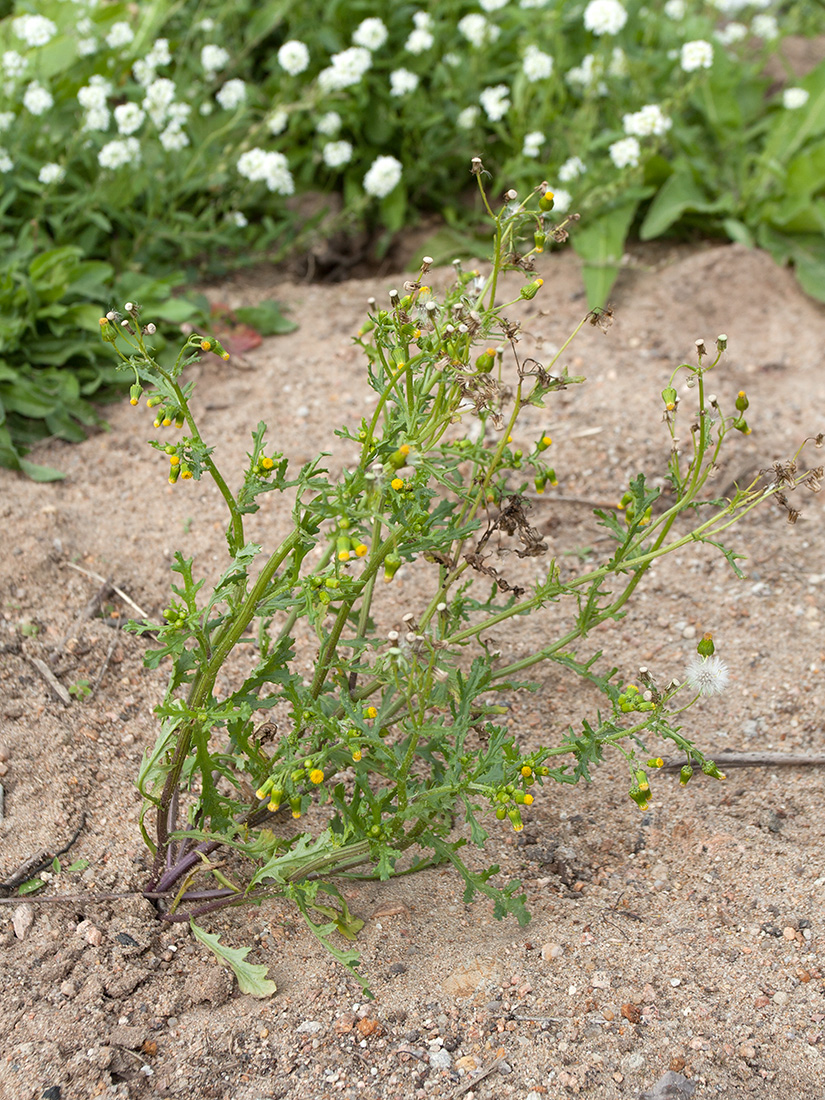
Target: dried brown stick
(119,591)
(51,680)
(467,1085)
(39,862)
(104,666)
(758,760)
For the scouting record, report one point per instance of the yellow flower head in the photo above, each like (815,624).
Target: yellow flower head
(397,483)
(316,776)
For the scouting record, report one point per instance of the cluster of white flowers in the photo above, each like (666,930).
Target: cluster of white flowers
(402,82)
(51,173)
(587,75)
(421,39)
(495,101)
(6,163)
(696,55)
(86,44)
(128,118)
(650,120)
(329,124)
(278,121)
(37,99)
(794,98)
(467,118)
(346,69)
(383,176)
(92,97)
(625,153)
(14,64)
(6,119)
(120,34)
(371,34)
(213,59)
(159,54)
(231,95)
(34,30)
(733,32)
(118,153)
(533,143)
(675,9)
(492,5)
(572,168)
(536,64)
(270,168)
(158,99)
(765,26)
(561,200)
(293,57)
(237,218)
(174,138)
(337,153)
(477,30)
(604,16)
(731,7)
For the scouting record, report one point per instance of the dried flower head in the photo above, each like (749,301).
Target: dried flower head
(707,675)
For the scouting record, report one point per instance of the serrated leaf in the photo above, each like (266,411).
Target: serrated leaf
(251,976)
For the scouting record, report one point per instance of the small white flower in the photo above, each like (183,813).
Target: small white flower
(97,119)
(561,200)
(269,168)
(675,9)
(533,143)
(14,64)
(51,173)
(6,163)
(143,72)
(536,64)
(732,33)
(648,121)
(205,109)
(293,57)
(231,95)
(420,40)
(238,218)
(572,168)
(604,16)
(118,153)
(173,138)
(92,96)
(452,59)
(6,119)
(587,75)
(213,59)
(794,98)
(492,5)
(36,99)
(371,34)
(467,118)
(206,25)
(618,63)
(34,30)
(696,55)
(159,96)
(346,69)
(277,122)
(337,153)
(625,153)
(329,124)
(86,46)
(383,176)
(527,4)
(402,82)
(422,20)
(731,7)
(120,34)
(477,30)
(159,53)
(765,26)
(128,118)
(707,675)
(495,101)
(178,113)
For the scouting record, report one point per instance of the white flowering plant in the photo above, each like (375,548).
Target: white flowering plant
(153,135)
(393,754)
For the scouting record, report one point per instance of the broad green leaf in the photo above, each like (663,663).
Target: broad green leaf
(266,318)
(251,977)
(675,197)
(600,244)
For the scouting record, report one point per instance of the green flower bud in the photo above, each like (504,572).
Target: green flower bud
(486,360)
(391,567)
(532,289)
(742,402)
(741,425)
(539,240)
(705,647)
(546,202)
(709,768)
(685,775)
(670,398)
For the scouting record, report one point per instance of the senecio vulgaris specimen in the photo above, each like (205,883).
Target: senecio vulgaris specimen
(394,737)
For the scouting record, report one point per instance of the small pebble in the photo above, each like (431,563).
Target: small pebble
(309,1027)
(780,997)
(551,951)
(442,1059)
(22,919)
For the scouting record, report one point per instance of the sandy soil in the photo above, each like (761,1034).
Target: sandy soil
(681,940)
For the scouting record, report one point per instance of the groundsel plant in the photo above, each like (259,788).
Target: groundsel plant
(395,749)
(197,122)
